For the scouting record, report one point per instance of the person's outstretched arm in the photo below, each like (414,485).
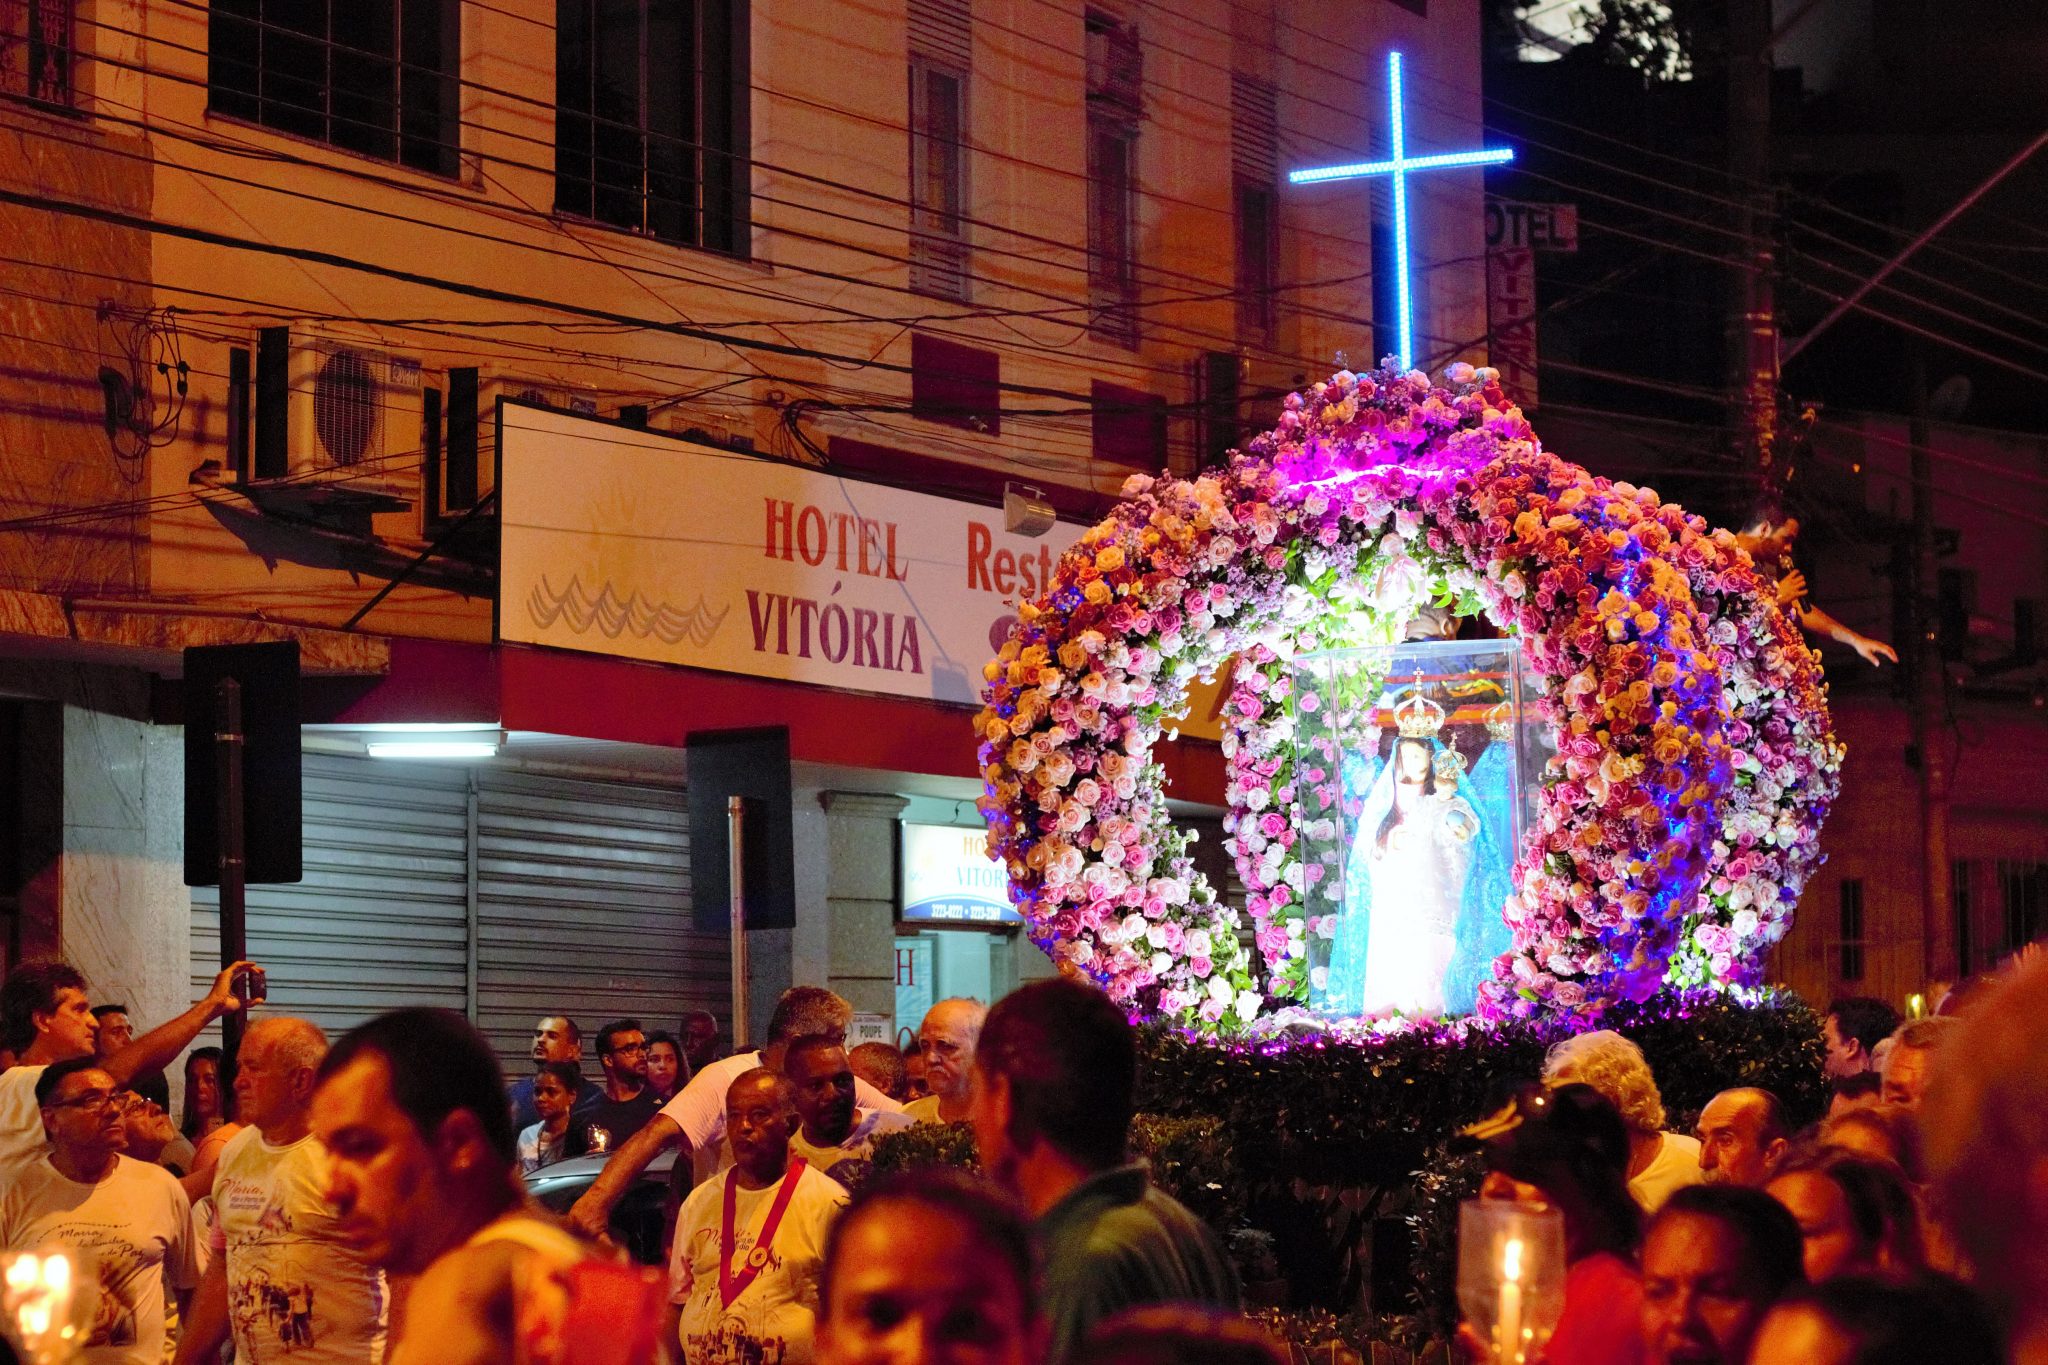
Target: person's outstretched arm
(159,1047)
(591,1215)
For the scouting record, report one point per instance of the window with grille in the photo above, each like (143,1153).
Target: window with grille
(1254,154)
(2023,890)
(960,386)
(371,76)
(37,59)
(1128,427)
(1849,931)
(1962,904)
(938,181)
(1115,101)
(651,127)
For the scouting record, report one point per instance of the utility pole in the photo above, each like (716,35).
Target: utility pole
(1930,698)
(1752,312)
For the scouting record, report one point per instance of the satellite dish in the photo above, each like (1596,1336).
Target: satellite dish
(1950,399)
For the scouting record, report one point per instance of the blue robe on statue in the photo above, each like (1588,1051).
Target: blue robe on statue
(1410,857)
(1443,879)
(1482,931)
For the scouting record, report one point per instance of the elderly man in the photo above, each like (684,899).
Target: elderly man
(696,1116)
(947,1039)
(555,1039)
(1909,1062)
(281,1279)
(750,1245)
(1052,1094)
(1743,1137)
(125,1223)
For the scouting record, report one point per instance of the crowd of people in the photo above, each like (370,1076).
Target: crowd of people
(362,1200)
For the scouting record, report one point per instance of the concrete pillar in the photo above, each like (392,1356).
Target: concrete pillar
(860,897)
(126,913)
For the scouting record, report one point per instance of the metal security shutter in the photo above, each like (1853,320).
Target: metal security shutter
(583,905)
(381,918)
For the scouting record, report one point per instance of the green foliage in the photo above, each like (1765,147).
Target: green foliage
(1360,1126)
(1445,1181)
(1361,1115)
(1190,1160)
(925,1144)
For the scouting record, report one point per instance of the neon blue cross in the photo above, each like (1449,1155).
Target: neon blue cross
(1398,166)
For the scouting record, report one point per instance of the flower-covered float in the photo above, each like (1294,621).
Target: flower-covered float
(1674,814)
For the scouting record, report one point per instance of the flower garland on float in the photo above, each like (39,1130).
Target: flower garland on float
(1695,759)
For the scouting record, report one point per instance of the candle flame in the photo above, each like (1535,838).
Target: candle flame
(1511,1260)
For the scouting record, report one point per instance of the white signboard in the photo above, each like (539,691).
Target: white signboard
(949,877)
(870,1028)
(647,546)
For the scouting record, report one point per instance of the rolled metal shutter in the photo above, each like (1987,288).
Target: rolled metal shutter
(382,917)
(583,906)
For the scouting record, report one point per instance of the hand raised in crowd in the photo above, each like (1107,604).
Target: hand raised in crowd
(222,998)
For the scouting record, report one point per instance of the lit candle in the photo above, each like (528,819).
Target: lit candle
(1508,1348)
(39,1300)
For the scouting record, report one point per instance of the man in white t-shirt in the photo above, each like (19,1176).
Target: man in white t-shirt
(46,1016)
(126,1224)
(838,1134)
(750,1245)
(696,1116)
(281,1281)
(946,1039)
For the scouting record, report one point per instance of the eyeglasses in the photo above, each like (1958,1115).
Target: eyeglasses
(101,1100)
(629,1047)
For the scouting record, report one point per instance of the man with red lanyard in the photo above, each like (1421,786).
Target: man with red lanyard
(749,1244)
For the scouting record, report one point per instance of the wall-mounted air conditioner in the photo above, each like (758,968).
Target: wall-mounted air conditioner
(355,413)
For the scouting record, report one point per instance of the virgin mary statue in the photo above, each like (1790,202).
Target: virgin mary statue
(1413,843)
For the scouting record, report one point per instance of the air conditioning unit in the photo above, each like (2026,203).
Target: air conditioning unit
(355,414)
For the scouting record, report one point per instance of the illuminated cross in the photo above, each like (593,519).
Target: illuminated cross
(1398,166)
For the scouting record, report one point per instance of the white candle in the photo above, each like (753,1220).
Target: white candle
(1509,1348)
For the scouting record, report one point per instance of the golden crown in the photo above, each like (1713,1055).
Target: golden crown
(1416,716)
(1500,721)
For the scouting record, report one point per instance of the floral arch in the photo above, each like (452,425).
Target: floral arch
(1695,760)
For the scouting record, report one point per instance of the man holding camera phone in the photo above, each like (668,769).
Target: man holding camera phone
(46,1016)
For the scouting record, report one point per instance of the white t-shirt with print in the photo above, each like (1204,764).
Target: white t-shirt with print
(295,1293)
(772,1320)
(699,1110)
(131,1236)
(21,1121)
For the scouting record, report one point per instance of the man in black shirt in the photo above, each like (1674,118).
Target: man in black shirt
(628,1100)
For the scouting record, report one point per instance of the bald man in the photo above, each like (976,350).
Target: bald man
(281,1281)
(750,1245)
(1743,1137)
(947,1039)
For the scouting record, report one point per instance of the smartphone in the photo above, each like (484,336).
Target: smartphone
(251,986)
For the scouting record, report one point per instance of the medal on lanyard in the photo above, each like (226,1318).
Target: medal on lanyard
(731,1283)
